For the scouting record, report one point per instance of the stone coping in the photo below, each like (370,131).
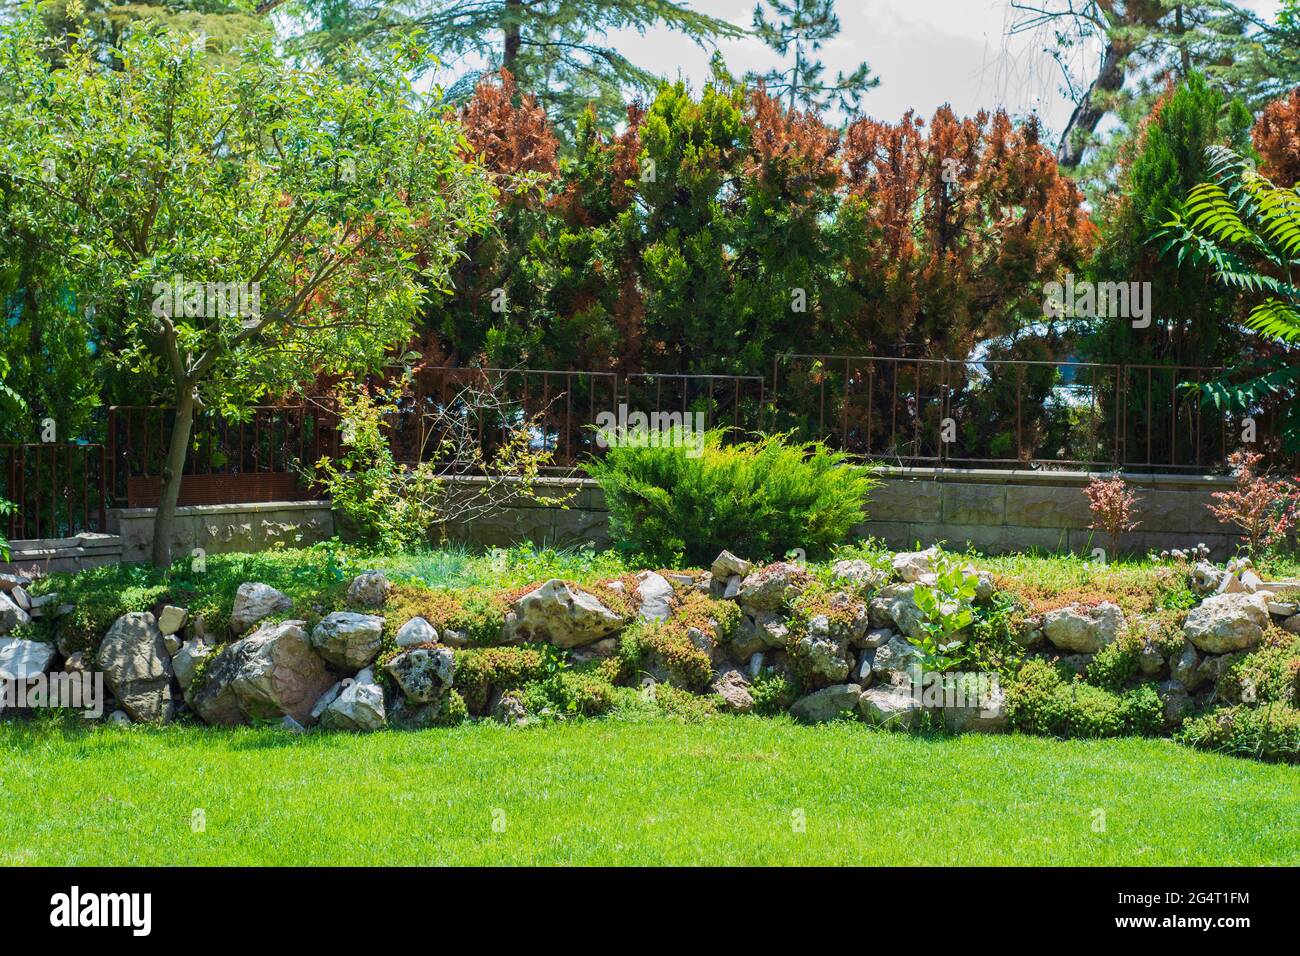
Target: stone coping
(987,476)
(253,507)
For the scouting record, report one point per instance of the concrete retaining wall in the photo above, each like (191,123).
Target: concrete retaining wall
(219,529)
(62,555)
(992,511)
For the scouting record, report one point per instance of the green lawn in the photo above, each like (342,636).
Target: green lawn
(727,791)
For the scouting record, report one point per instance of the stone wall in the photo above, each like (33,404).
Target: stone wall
(1001,511)
(992,511)
(219,529)
(62,555)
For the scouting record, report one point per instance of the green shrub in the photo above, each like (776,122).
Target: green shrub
(993,645)
(570,693)
(665,652)
(479,670)
(1270,674)
(1270,732)
(1116,664)
(1040,701)
(688,707)
(773,693)
(759,499)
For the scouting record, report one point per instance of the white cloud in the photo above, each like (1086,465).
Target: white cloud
(926,52)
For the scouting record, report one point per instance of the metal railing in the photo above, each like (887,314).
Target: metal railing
(259,456)
(1003,412)
(563,408)
(1000,413)
(56,490)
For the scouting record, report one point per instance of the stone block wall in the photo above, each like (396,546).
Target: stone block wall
(219,529)
(993,511)
(1001,511)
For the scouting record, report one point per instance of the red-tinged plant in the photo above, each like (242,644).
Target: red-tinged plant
(1264,508)
(1277,140)
(1112,503)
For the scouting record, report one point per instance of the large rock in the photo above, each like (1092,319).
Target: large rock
(24,660)
(823,651)
(733,687)
(872,639)
(253,602)
(186,660)
(896,660)
(1176,700)
(747,639)
(916,566)
(853,617)
(415,631)
(655,596)
(1082,628)
(1184,666)
(1150,660)
(727,565)
(772,588)
(890,707)
(423,674)
(985,586)
(895,607)
(827,703)
(358,705)
(280,674)
(1205,578)
(348,640)
(858,573)
(11,615)
(1227,622)
(171,619)
(563,615)
(369,589)
(271,674)
(137,667)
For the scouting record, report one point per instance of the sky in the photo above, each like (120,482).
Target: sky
(926,53)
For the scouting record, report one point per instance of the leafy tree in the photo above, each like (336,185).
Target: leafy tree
(1143,45)
(1189,320)
(220,25)
(557,50)
(493,289)
(689,231)
(1246,231)
(297,211)
(800,27)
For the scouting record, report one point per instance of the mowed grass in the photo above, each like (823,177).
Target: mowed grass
(726,791)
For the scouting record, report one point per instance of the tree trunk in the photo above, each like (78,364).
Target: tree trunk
(1087,114)
(512,26)
(173,469)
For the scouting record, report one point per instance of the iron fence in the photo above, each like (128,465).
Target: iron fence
(1004,413)
(260,456)
(54,490)
(562,409)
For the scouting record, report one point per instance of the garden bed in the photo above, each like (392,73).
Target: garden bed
(921,641)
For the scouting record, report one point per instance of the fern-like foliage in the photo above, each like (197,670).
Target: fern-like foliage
(1247,231)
